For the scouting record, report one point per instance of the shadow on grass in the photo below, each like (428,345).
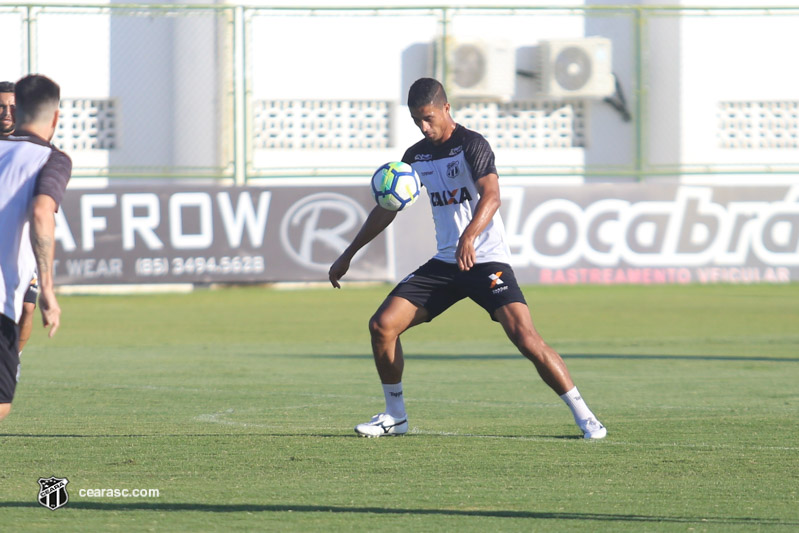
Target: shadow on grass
(166,435)
(346,435)
(640,357)
(756,358)
(540,515)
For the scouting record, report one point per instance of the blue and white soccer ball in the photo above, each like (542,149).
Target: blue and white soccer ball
(395,186)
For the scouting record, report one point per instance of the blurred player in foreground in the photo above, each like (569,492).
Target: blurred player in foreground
(7,108)
(33,178)
(472,261)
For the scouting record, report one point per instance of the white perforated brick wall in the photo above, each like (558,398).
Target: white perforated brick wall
(321,124)
(758,124)
(86,124)
(527,125)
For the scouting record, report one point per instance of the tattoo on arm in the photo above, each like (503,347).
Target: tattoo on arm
(42,237)
(43,250)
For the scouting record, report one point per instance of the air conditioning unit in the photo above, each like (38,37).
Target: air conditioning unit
(579,68)
(480,70)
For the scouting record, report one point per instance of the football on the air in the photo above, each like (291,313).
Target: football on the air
(395,186)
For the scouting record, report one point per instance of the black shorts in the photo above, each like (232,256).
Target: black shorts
(9,358)
(33,292)
(436,286)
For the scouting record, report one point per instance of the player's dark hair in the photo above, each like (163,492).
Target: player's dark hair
(34,95)
(425,91)
(6,86)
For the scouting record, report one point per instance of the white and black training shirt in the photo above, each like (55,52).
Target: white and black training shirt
(29,166)
(448,171)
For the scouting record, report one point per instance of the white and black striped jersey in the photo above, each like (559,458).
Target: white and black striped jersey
(29,166)
(448,171)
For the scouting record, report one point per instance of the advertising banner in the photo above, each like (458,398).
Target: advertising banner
(189,234)
(633,233)
(649,233)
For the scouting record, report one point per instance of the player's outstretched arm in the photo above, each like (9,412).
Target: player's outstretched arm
(42,235)
(376,222)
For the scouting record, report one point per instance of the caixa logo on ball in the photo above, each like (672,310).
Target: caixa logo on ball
(316,229)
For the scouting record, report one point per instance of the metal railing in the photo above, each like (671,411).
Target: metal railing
(183,80)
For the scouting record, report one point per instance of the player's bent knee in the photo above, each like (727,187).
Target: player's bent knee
(385,326)
(394,317)
(5,408)
(378,326)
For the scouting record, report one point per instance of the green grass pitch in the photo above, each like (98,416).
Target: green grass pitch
(238,405)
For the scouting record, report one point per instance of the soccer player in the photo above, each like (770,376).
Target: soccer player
(472,261)
(7,105)
(7,108)
(33,178)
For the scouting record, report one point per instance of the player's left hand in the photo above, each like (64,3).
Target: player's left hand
(465,255)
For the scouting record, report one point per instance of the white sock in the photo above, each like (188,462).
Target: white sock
(577,405)
(395,403)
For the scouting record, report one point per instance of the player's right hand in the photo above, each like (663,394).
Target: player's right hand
(337,270)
